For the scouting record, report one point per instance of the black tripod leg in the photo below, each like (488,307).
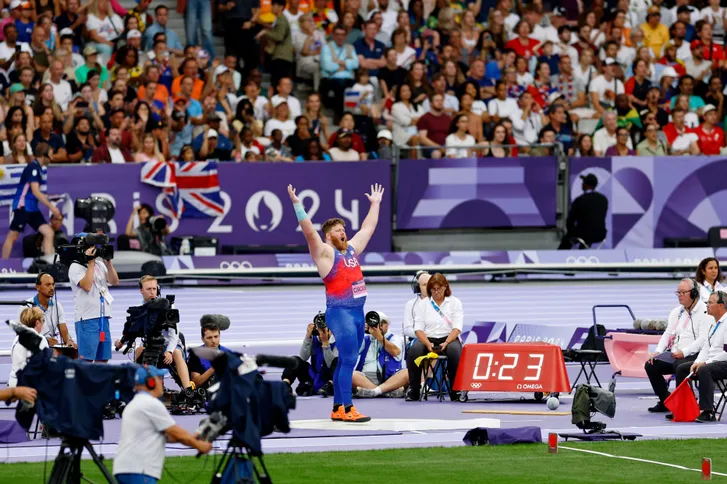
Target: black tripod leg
(99,462)
(62,467)
(217,476)
(262,475)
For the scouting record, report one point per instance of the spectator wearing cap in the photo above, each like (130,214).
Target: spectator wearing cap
(338,64)
(25,23)
(683,5)
(696,66)
(161,14)
(104,27)
(90,54)
(343,149)
(281,120)
(348,122)
(681,140)
(711,137)
(214,122)
(605,137)
(278,44)
(587,216)
(383,149)
(605,87)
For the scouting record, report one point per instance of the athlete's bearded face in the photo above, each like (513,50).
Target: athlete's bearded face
(338,238)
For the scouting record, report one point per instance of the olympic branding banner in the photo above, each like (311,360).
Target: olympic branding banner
(476,193)
(256,206)
(651,199)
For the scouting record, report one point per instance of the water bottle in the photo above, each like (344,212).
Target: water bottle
(185,249)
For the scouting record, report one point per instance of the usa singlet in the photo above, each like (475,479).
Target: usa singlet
(345,286)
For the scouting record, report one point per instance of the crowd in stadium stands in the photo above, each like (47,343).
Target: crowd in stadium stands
(359,79)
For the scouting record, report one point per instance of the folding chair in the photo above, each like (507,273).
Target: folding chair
(720,405)
(438,383)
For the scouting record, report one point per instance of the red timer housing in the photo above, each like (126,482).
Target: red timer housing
(512,367)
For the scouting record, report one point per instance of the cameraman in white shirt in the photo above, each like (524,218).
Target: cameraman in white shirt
(90,283)
(681,341)
(437,325)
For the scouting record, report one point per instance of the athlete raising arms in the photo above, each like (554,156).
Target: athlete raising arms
(335,258)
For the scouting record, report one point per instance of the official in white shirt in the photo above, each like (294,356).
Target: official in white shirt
(681,341)
(55,329)
(419,287)
(92,301)
(33,319)
(437,325)
(146,427)
(711,364)
(709,276)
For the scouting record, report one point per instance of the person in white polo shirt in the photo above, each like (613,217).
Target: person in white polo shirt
(437,325)
(55,329)
(681,341)
(146,427)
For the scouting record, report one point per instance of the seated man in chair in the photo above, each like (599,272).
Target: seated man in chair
(711,364)
(378,370)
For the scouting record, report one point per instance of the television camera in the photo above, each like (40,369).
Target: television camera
(148,322)
(247,405)
(76,250)
(96,211)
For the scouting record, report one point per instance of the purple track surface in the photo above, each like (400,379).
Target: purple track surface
(273,319)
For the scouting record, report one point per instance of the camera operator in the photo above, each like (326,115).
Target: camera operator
(150,232)
(378,370)
(319,346)
(92,303)
(437,325)
(149,289)
(146,427)
(200,370)
(54,325)
(33,319)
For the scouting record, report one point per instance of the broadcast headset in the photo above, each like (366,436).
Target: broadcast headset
(415,282)
(149,380)
(694,291)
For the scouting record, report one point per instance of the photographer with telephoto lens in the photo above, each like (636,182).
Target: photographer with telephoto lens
(146,427)
(378,369)
(319,346)
(90,277)
(150,230)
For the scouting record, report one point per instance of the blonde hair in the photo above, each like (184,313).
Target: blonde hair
(145,279)
(30,315)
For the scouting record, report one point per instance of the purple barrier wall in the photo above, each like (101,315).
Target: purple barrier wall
(257,209)
(476,193)
(655,198)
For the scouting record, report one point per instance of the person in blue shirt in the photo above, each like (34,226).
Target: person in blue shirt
(160,26)
(26,210)
(24,24)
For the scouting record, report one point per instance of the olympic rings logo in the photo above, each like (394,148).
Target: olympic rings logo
(581,259)
(475,385)
(234,265)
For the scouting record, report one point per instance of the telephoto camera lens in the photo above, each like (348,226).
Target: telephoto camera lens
(373,319)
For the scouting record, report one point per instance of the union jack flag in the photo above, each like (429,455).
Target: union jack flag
(192,189)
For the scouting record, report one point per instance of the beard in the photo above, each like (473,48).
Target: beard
(340,243)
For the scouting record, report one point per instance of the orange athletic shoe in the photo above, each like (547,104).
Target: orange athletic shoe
(354,416)
(338,415)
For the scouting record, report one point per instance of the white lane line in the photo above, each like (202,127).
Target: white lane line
(635,459)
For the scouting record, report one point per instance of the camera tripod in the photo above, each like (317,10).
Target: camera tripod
(238,466)
(67,466)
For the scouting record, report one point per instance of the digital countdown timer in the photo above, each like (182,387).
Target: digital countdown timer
(512,367)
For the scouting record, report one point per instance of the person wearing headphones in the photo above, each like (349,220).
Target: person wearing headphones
(709,276)
(33,319)
(681,341)
(146,427)
(419,287)
(54,328)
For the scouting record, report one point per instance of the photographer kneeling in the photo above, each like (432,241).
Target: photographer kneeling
(437,325)
(146,427)
(378,370)
(319,346)
(90,278)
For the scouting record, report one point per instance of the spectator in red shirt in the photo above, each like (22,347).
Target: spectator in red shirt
(680,138)
(523,45)
(711,136)
(434,126)
(712,51)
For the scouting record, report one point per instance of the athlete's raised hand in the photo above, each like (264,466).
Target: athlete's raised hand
(377,193)
(293,196)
